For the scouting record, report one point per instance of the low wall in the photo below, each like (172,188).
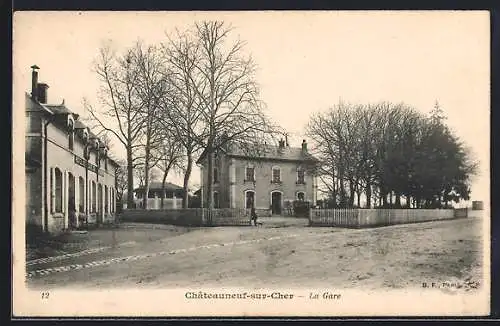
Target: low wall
(183,217)
(378,217)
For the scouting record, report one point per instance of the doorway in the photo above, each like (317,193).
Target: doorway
(99,204)
(276,203)
(72,223)
(249,199)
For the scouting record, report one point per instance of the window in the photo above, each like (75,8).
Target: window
(301,176)
(94,197)
(216,175)
(51,190)
(250,174)
(58,191)
(276,175)
(106,164)
(106,198)
(71,140)
(111,193)
(249,199)
(301,196)
(216,199)
(81,184)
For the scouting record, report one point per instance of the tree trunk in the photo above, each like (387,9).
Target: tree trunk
(398,200)
(408,202)
(187,175)
(351,194)
(210,204)
(368,195)
(334,190)
(130,178)
(162,201)
(342,189)
(383,194)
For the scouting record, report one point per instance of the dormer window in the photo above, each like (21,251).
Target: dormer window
(85,135)
(71,123)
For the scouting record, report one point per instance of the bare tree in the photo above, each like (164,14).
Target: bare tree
(169,156)
(120,107)
(227,90)
(151,88)
(120,179)
(180,110)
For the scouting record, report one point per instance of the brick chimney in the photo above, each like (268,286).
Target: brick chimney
(304,146)
(42,92)
(34,82)
(281,143)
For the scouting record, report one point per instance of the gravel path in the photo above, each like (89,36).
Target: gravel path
(403,256)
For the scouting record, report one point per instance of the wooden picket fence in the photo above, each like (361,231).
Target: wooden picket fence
(226,217)
(357,218)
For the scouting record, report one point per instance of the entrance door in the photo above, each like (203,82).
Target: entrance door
(249,199)
(99,204)
(71,201)
(276,203)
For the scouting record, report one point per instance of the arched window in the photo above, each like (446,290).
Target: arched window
(216,199)
(276,174)
(112,194)
(58,191)
(94,197)
(106,198)
(81,194)
(249,199)
(301,196)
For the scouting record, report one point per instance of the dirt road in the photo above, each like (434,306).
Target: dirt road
(388,257)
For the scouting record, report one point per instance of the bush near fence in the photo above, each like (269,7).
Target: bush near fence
(358,218)
(188,216)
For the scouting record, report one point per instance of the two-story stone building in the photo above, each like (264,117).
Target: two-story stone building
(70,179)
(271,180)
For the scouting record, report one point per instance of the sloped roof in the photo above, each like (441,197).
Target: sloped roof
(267,152)
(158,186)
(59,109)
(272,152)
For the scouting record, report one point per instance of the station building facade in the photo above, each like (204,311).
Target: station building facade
(70,178)
(270,180)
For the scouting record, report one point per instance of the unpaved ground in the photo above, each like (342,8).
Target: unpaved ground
(400,256)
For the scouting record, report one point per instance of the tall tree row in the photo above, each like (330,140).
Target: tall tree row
(169,103)
(391,155)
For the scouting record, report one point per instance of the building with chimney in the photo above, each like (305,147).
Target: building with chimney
(70,178)
(271,178)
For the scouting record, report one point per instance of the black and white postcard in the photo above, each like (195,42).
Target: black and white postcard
(272,163)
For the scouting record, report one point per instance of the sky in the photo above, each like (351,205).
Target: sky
(307,62)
